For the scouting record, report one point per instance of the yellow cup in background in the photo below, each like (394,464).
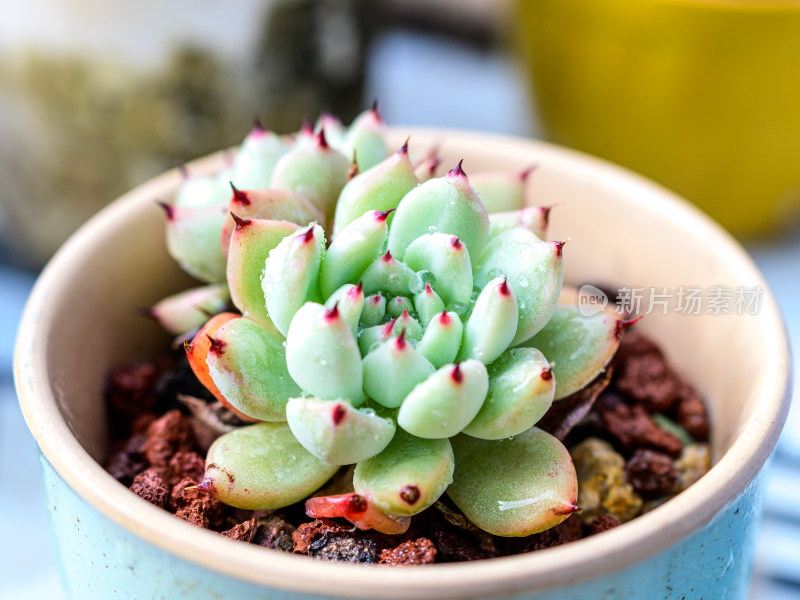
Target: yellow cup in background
(701,95)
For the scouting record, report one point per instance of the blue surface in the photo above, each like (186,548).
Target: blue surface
(420,79)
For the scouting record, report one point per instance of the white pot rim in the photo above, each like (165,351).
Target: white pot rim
(563,565)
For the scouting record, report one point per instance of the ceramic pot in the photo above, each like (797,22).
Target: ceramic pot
(695,94)
(81,321)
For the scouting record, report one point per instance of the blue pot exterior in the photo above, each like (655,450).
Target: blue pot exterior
(101,560)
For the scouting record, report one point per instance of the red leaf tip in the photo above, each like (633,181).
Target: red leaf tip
(457,171)
(240,222)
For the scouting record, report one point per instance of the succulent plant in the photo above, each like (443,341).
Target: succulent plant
(421,341)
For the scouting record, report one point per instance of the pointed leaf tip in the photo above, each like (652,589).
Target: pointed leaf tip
(207,486)
(457,171)
(387,329)
(339,413)
(376,110)
(382,215)
(456,243)
(401,340)
(387,257)
(217,346)
(525,173)
(622,326)
(333,313)
(504,289)
(404,149)
(239,196)
(444,318)
(169,210)
(321,141)
(307,235)
(547,373)
(240,222)
(456,373)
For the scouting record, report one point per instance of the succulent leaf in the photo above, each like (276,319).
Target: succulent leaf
(250,245)
(353,250)
(387,274)
(399,304)
(247,363)
(392,370)
(197,352)
(349,301)
(408,476)
(273,205)
(521,387)
(501,192)
(316,171)
(380,188)
(428,304)
(337,433)
(408,326)
(492,324)
(322,354)
(364,140)
(516,486)
(200,190)
(426,168)
(579,346)
(291,274)
(445,205)
(448,259)
(190,309)
(442,339)
(335,132)
(262,467)
(193,240)
(446,402)
(532,218)
(535,272)
(374,309)
(371,337)
(358,510)
(256,159)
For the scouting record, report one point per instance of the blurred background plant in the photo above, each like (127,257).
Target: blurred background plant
(95,97)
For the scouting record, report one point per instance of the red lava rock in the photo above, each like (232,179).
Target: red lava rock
(306,533)
(184,465)
(651,473)
(151,487)
(275,533)
(326,539)
(170,434)
(644,376)
(603,522)
(195,506)
(131,390)
(243,532)
(692,414)
(632,428)
(413,552)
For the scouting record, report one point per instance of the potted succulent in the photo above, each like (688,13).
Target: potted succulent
(337,375)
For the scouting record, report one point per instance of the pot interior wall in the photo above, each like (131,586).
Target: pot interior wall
(615,240)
